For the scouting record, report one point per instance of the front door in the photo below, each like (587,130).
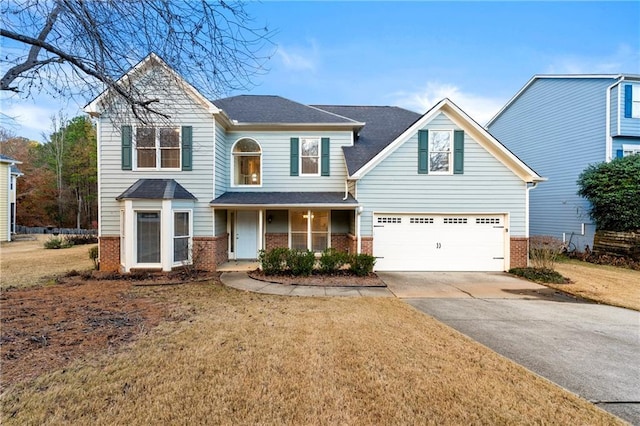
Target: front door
(247,234)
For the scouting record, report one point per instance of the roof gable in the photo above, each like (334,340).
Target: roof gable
(95,107)
(538,77)
(462,120)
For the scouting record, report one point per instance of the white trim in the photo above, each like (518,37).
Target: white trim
(309,232)
(157,149)
(232,164)
(99,170)
(556,76)
(449,170)
(94,108)
(319,163)
(285,206)
(462,120)
(189,260)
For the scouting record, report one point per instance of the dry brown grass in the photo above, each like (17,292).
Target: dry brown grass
(233,357)
(601,283)
(27,263)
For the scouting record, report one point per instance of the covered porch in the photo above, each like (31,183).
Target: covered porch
(313,221)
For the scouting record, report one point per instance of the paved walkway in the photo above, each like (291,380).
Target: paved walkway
(241,281)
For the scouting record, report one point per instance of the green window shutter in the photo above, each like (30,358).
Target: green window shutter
(423,152)
(628,98)
(126,158)
(295,145)
(187,148)
(458,152)
(324,164)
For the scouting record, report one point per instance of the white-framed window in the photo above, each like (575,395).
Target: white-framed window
(310,230)
(181,236)
(440,151)
(630,150)
(157,148)
(635,102)
(247,163)
(310,156)
(148,231)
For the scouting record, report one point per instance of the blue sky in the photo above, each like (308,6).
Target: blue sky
(412,54)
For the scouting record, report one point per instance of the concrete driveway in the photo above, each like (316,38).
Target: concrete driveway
(592,350)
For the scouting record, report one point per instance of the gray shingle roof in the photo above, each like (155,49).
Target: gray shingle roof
(284,199)
(383,125)
(14,169)
(275,109)
(156,189)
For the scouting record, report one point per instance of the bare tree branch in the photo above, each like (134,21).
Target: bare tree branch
(84,47)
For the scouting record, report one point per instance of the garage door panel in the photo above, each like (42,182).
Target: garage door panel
(439,242)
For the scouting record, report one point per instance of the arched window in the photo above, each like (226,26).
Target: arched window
(247,158)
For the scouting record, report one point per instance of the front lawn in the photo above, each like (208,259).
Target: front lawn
(228,357)
(606,284)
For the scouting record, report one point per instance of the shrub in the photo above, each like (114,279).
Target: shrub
(78,240)
(56,243)
(361,264)
(540,275)
(544,251)
(274,261)
(332,260)
(301,262)
(93,255)
(612,189)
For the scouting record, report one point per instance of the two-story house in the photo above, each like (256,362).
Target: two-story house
(223,179)
(9,174)
(560,124)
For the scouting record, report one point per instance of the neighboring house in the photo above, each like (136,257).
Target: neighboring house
(9,174)
(224,179)
(559,125)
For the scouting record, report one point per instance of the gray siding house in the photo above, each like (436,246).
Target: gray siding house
(559,125)
(214,180)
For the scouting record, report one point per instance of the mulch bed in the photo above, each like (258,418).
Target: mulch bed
(342,279)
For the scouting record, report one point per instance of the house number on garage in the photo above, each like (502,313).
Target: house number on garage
(438,245)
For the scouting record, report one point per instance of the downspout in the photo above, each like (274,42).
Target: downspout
(346,190)
(608,156)
(526,223)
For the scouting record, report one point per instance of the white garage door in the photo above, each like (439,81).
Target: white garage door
(422,242)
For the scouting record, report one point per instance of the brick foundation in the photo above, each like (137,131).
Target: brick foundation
(209,252)
(275,240)
(341,242)
(366,245)
(519,252)
(109,253)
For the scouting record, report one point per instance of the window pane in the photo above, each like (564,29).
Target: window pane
(146,137)
(148,238)
(319,241)
(246,145)
(320,221)
(439,162)
(181,224)
(180,249)
(169,137)
(309,147)
(170,158)
(309,165)
(146,157)
(299,221)
(440,141)
(299,241)
(247,170)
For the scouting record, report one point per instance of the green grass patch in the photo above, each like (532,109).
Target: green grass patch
(540,275)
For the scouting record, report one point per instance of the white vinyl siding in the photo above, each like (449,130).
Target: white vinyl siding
(486,186)
(5,176)
(184,111)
